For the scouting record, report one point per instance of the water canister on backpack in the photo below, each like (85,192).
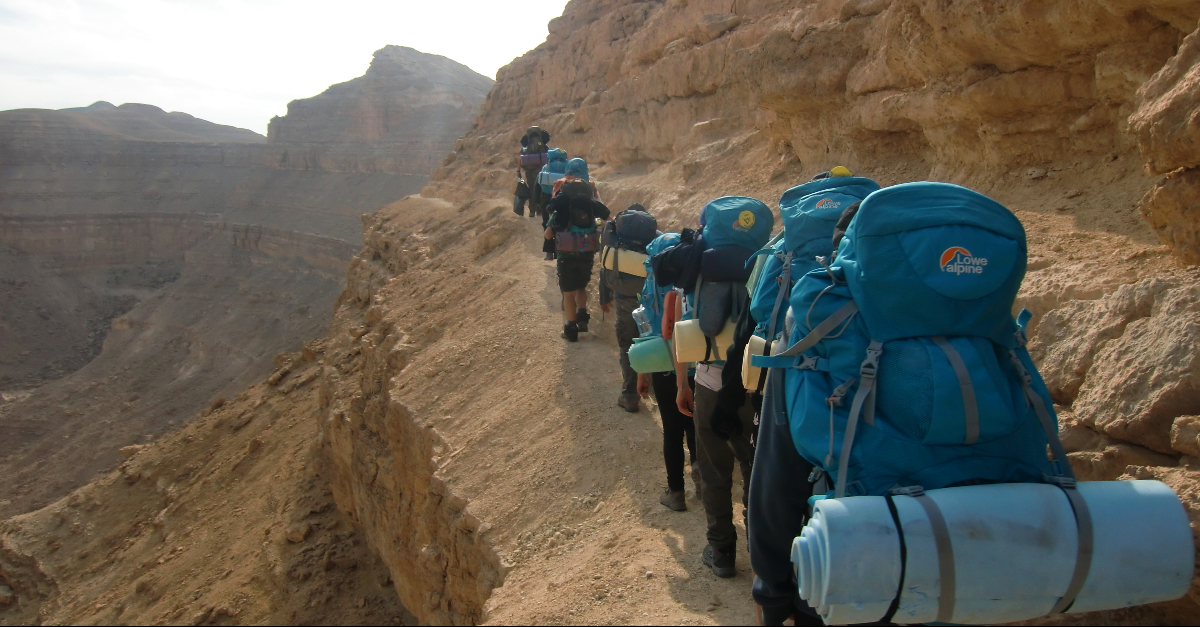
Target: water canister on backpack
(643,321)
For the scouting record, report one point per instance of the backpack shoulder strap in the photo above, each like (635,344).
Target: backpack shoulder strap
(786,358)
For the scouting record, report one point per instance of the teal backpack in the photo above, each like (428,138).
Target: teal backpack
(810,212)
(652,295)
(555,169)
(905,366)
(735,227)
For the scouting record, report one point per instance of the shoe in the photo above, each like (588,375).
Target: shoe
(570,332)
(581,319)
(674,501)
(549,256)
(696,482)
(720,563)
(628,403)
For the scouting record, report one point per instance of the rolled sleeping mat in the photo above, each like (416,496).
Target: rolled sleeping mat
(1009,551)
(751,374)
(692,345)
(651,354)
(630,262)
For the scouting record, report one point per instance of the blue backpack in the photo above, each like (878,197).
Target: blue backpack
(905,366)
(810,212)
(735,227)
(555,169)
(653,295)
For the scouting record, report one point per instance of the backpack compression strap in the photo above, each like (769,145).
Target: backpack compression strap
(786,359)
(864,403)
(784,279)
(1065,481)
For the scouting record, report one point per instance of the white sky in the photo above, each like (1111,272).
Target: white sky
(238,62)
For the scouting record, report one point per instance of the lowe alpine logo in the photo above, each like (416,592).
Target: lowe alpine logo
(828,203)
(959,260)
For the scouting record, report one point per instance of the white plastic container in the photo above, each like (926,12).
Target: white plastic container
(1014,549)
(691,345)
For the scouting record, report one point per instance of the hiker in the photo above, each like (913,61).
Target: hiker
(814,214)
(708,267)
(678,428)
(573,230)
(533,156)
(622,277)
(810,213)
(904,372)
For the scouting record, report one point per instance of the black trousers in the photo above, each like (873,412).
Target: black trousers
(677,428)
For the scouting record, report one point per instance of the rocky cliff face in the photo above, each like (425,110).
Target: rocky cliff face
(401,117)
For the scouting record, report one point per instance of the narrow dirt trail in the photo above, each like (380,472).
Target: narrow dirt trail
(638,562)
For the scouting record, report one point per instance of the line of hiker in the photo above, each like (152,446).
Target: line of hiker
(864,371)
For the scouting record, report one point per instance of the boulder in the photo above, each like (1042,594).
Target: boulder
(1142,380)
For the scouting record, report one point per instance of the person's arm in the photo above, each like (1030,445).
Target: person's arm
(725,421)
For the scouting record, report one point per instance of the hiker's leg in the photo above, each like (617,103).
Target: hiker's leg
(569,306)
(581,297)
(716,461)
(672,423)
(743,450)
(626,331)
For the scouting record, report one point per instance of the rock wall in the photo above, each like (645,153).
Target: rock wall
(1167,126)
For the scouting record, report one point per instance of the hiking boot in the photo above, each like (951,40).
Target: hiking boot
(696,482)
(581,319)
(674,501)
(549,256)
(570,332)
(720,563)
(628,403)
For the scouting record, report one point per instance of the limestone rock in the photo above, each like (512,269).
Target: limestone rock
(1172,208)
(6,596)
(1167,126)
(298,532)
(1141,381)
(1068,337)
(1185,435)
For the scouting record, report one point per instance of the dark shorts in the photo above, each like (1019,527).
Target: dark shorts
(574,270)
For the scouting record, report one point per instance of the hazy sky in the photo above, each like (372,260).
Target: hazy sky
(238,62)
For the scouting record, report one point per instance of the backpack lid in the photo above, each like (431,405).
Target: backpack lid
(737,221)
(556,154)
(635,228)
(810,211)
(578,167)
(925,259)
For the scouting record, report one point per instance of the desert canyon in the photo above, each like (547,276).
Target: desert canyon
(230,399)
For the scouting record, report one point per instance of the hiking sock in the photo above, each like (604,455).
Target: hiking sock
(581,319)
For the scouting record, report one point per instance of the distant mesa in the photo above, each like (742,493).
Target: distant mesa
(132,121)
(402,116)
